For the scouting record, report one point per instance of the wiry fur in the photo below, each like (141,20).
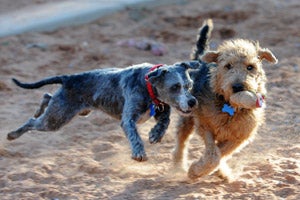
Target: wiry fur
(234,76)
(202,39)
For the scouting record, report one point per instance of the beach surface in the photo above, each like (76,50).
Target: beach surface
(89,158)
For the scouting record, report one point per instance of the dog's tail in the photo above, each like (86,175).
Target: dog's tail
(202,39)
(47,81)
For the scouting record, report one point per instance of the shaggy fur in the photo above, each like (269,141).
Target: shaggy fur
(234,77)
(121,93)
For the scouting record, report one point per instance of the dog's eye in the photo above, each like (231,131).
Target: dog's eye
(250,67)
(176,87)
(228,66)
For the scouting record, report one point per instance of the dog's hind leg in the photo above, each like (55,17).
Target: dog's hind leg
(163,121)
(185,128)
(58,113)
(29,125)
(46,98)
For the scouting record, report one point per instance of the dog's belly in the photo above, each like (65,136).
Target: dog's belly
(112,111)
(111,105)
(142,119)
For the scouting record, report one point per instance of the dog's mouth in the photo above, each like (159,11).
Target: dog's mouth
(184,112)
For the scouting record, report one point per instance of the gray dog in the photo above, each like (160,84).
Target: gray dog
(132,95)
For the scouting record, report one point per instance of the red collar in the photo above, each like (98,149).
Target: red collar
(155,100)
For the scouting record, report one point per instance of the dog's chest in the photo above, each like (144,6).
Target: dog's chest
(144,117)
(226,127)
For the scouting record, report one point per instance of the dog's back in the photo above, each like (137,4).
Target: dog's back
(201,78)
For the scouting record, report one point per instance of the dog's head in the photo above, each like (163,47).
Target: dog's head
(172,84)
(239,67)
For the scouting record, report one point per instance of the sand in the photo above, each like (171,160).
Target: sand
(90,157)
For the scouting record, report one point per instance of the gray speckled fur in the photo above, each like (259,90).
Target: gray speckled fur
(121,93)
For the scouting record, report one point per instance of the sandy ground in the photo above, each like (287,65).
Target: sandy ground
(90,157)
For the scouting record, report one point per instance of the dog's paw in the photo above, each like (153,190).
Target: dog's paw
(224,172)
(202,168)
(178,169)
(12,136)
(155,137)
(140,157)
(228,178)
(192,174)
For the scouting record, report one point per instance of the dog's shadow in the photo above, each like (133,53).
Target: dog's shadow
(165,188)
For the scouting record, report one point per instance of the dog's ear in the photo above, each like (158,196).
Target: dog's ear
(210,56)
(267,55)
(157,75)
(191,64)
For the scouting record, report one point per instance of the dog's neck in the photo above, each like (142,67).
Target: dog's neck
(151,90)
(220,100)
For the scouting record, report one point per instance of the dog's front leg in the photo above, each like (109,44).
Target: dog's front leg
(163,121)
(136,143)
(227,148)
(130,117)
(209,162)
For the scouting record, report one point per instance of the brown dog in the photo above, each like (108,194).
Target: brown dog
(230,91)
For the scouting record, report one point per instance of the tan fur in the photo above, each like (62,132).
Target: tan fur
(224,134)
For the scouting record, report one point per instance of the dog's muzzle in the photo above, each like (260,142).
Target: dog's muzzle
(192,104)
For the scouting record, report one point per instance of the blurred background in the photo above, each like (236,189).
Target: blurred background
(90,157)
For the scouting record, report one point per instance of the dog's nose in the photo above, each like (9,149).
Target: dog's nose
(238,87)
(192,102)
